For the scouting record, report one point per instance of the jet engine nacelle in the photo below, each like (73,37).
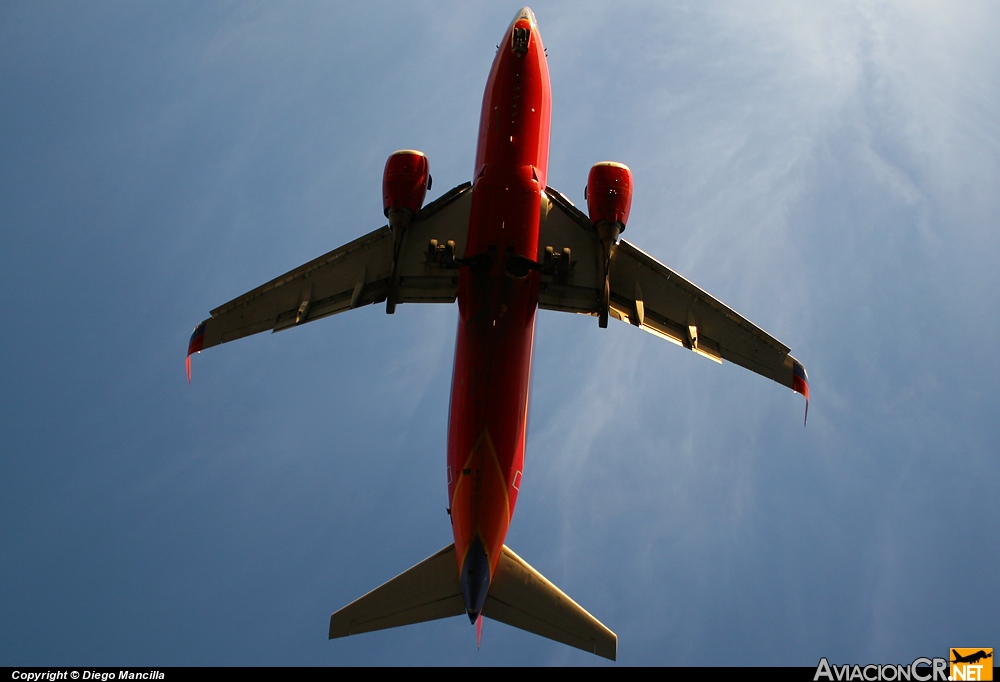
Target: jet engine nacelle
(609,198)
(405,182)
(404,185)
(609,193)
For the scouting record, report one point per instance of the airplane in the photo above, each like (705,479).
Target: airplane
(971,658)
(503,245)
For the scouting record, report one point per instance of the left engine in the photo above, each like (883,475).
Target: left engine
(404,185)
(405,182)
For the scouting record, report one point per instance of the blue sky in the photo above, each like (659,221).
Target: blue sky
(830,170)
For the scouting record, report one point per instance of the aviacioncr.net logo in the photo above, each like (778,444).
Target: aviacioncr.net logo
(921,670)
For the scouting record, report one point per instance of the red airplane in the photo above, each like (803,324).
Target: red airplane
(503,245)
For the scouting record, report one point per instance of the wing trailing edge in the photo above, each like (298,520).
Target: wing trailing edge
(519,596)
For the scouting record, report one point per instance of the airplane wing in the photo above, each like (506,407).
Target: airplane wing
(354,275)
(651,296)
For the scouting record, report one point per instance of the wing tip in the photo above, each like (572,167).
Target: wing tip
(195,345)
(800,384)
(800,379)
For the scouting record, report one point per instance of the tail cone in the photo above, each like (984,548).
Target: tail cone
(475,579)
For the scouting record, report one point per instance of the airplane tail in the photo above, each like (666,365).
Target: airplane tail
(518,595)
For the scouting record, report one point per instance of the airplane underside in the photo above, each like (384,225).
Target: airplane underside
(502,246)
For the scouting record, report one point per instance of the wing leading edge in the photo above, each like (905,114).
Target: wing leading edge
(651,296)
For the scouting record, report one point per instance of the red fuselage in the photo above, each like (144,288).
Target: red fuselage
(497,299)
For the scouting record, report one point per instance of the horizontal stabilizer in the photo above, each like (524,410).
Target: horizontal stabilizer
(521,596)
(428,591)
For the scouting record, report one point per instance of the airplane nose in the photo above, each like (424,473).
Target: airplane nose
(475,578)
(525,13)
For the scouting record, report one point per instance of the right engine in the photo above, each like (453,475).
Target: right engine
(609,199)
(609,193)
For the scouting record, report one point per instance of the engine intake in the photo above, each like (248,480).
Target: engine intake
(405,181)
(609,193)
